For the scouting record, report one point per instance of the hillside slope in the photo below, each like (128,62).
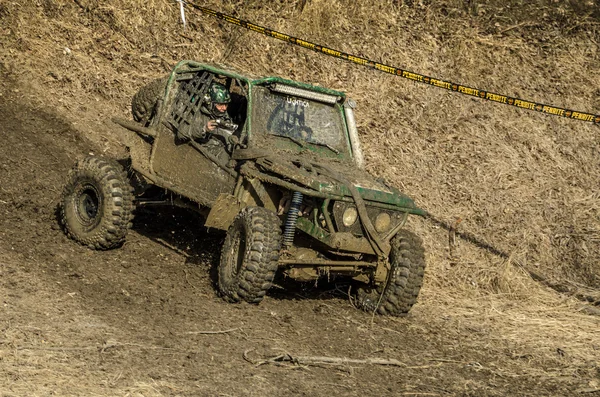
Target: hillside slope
(523,182)
(520,188)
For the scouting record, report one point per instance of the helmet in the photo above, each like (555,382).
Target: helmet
(218,93)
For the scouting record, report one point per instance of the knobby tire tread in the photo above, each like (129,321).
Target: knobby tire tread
(407,260)
(262,233)
(143,102)
(117,205)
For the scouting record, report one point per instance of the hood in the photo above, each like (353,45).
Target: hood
(331,178)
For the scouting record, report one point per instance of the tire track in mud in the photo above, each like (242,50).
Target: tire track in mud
(36,149)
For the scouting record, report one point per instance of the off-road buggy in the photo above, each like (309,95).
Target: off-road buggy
(288,186)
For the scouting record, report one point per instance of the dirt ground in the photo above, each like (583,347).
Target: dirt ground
(145,319)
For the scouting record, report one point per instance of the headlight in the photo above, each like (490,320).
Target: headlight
(383,222)
(349,216)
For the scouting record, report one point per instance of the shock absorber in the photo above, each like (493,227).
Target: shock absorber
(292,216)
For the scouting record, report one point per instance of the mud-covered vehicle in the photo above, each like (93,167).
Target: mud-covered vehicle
(287,185)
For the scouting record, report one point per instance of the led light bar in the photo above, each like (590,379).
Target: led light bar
(302,93)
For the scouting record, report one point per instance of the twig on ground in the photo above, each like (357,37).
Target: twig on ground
(443,360)
(590,390)
(34,163)
(55,348)
(317,360)
(337,385)
(172,247)
(187,279)
(522,24)
(211,332)
(82,6)
(350,299)
(424,366)
(186,37)
(391,330)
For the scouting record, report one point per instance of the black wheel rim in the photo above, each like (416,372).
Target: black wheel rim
(88,205)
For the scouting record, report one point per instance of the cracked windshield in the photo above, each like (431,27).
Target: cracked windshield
(299,120)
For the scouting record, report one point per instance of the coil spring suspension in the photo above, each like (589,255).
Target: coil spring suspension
(292,216)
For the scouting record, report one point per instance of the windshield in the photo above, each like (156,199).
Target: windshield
(299,120)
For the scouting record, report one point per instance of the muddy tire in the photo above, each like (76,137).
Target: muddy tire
(250,254)
(399,293)
(143,102)
(97,203)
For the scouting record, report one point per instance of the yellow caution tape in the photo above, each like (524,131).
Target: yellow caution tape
(490,96)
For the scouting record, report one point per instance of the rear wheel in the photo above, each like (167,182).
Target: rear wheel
(250,255)
(144,101)
(399,293)
(97,203)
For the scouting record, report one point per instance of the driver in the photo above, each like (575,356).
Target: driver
(213,120)
(215,107)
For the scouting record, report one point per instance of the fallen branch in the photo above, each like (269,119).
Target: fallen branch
(319,360)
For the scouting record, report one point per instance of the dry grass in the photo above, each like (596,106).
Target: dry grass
(524,183)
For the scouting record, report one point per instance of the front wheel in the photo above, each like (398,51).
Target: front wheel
(250,255)
(97,203)
(399,293)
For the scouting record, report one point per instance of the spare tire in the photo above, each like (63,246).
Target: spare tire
(144,101)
